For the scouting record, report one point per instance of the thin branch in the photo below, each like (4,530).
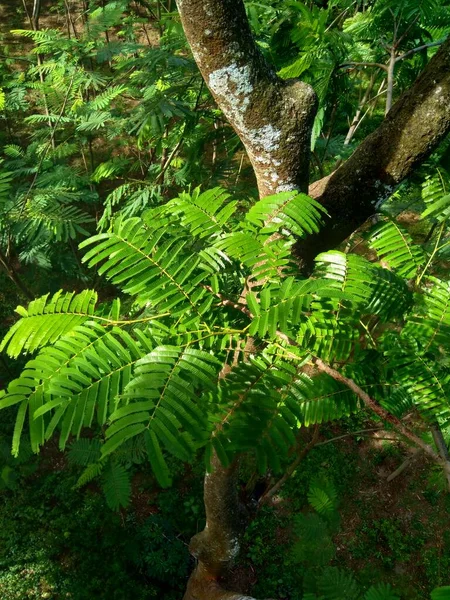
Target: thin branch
(47,147)
(345,435)
(405,33)
(381,412)
(404,465)
(224,301)
(363,64)
(419,48)
(390,80)
(292,467)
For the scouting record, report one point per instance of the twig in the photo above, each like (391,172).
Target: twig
(363,64)
(382,413)
(419,48)
(345,435)
(404,465)
(292,467)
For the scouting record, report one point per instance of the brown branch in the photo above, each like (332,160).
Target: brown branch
(381,412)
(419,48)
(399,470)
(390,80)
(364,64)
(224,301)
(351,434)
(267,496)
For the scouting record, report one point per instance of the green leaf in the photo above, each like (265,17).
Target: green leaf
(156,458)
(47,319)
(441,593)
(84,451)
(295,212)
(394,246)
(154,267)
(335,584)
(116,485)
(381,591)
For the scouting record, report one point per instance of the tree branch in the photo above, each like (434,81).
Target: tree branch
(364,64)
(268,495)
(419,48)
(273,117)
(414,127)
(399,470)
(382,413)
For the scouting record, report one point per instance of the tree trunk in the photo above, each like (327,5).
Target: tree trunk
(272,117)
(216,547)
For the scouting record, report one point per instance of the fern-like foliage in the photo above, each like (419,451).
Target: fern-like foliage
(84,451)
(322,496)
(394,246)
(381,591)
(116,484)
(47,319)
(150,266)
(315,546)
(429,323)
(441,593)
(335,584)
(218,354)
(204,214)
(164,388)
(436,195)
(291,211)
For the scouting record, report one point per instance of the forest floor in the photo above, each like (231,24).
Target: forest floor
(393,532)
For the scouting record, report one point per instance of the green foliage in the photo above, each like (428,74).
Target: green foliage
(337,585)
(157,376)
(116,485)
(390,542)
(381,591)
(47,319)
(442,593)
(54,542)
(394,245)
(216,353)
(322,496)
(84,451)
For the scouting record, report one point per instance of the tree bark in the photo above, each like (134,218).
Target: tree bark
(216,547)
(412,129)
(273,117)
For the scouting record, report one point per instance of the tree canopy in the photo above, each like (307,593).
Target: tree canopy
(230,224)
